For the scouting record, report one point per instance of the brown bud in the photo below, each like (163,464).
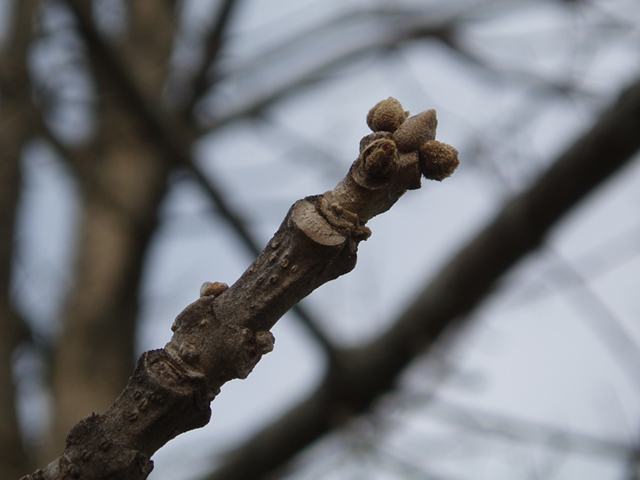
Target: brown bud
(264,342)
(438,160)
(386,116)
(215,288)
(361,234)
(415,131)
(381,158)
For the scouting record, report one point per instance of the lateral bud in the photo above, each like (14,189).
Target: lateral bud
(381,158)
(438,160)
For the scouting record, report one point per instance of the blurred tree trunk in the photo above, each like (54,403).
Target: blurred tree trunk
(123,179)
(15,131)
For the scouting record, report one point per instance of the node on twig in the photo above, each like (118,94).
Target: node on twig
(215,288)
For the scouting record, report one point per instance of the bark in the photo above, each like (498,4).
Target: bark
(224,334)
(466,281)
(15,131)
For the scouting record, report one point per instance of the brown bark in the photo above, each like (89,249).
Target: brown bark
(468,278)
(224,334)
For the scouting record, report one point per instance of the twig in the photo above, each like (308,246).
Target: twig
(213,44)
(175,138)
(224,334)
(460,287)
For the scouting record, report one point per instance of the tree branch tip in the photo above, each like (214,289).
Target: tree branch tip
(389,121)
(389,164)
(225,332)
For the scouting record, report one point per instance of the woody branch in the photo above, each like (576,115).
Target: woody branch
(223,334)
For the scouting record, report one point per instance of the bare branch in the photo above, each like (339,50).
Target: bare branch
(469,278)
(602,320)
(354,35)
(593,264)
(224,334)
(386,37)
(509,428)
(174,138)
(213,44)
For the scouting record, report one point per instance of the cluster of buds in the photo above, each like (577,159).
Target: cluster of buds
(393,159)
(437,160)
